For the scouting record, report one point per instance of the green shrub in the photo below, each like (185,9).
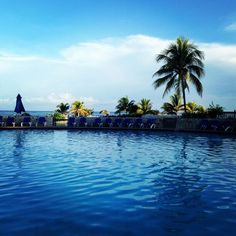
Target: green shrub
(59,116)
(215,110)
(194,115)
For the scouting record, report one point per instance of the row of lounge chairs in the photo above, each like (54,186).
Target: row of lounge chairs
(151,123)
(82,122)
(216,125)
(116,123)
(10,121)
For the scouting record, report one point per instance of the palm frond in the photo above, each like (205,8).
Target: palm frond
(196,82)
(157,83)
(169,86)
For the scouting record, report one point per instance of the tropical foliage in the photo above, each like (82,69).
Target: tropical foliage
(215,110)
(59,116)
(144,107)
(78,109)
(126,106)
(63,108)
(192,107)
(182,64)
(174,106)
(198,111)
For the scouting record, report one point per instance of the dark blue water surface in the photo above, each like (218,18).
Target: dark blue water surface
(116,183)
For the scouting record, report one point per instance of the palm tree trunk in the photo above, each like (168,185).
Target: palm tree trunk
(185,110)
(184,97)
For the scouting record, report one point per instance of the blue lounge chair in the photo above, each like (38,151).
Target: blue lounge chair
(82,122)
(41,121)
(203,125)
(71,122)
(214,125)
(97,122)
(10,121)
(126,123)
(227,126)
(116,123)
(107,122)
(150,123)
(26,121)
(138,123)
(1,121)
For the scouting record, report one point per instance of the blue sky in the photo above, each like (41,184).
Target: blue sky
(100,50)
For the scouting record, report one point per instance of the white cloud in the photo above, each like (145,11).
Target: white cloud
(5,101)
(218,53)
(231,27)
(55,99)
(102,71)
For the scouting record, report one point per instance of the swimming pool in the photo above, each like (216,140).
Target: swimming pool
(116,183)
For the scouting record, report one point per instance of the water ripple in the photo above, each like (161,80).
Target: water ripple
(116,183)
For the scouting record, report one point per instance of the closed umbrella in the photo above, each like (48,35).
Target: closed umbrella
(19,105)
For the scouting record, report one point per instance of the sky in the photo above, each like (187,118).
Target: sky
(98,51)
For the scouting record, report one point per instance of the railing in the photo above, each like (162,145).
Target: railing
(229,114)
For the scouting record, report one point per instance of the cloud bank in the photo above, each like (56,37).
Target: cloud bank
(231,27)
(102,71)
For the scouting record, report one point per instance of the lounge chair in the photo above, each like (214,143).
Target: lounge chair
(10,121)
(126,123)
(82,122)
(97,122)
(1,121)
(71,122)
(150,123)
(41,121)
(26,122)
(214,125)
(204,125)
(107,122)
(138,123)
(227,126)
(116,123)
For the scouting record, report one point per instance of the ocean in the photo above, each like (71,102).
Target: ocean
(41,113)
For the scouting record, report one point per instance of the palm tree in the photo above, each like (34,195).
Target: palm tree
(78,109)
(192,107)
(174,105)
(182,64)
(124,105)
(144,106)
(63,108)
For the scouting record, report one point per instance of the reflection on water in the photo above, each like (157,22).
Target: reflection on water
(18,148)
(215,144)
(178,192)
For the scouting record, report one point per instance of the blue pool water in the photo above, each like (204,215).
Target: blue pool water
(116,183)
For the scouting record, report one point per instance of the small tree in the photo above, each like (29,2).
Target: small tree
(124,105)
(174,105)
(78,109)
(144,107)
(192,107)
(215,110)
